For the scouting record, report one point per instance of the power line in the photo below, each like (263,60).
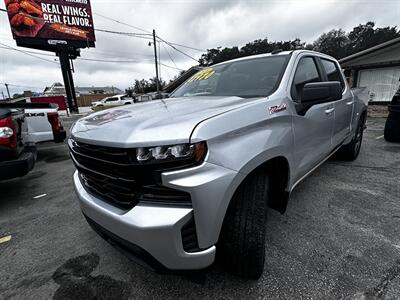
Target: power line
(22,86)
(171,67)
(123,23)
(130,34)
(170,57)
(91,59)
(188,47)
(47,54)
(149,32)
(27,53)
(112,61)
(176,49)
(124,33)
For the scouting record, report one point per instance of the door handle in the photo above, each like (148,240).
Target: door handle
(350,102)
(329,110)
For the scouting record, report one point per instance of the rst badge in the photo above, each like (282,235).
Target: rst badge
(276,108)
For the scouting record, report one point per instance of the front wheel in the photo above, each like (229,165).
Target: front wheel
(242,241)
(392,127)
(352,150)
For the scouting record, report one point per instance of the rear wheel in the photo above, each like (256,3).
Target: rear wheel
(242,242)
(352,150)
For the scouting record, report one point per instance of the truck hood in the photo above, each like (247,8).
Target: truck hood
(152,123)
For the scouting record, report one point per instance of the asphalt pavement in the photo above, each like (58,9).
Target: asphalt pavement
(340,238)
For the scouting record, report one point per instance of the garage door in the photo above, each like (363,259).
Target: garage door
(381,83)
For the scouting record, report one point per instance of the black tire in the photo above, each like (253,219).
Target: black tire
(127,103)
(352,150)
(392,127)
(242,242)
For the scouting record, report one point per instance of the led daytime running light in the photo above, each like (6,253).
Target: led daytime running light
(197,151)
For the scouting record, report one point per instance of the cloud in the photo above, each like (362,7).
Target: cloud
(201,24)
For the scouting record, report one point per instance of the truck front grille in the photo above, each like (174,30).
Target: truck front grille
(109,174)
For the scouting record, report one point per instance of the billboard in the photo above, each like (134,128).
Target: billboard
(51,24)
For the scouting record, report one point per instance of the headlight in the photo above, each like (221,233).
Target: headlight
(196,152)
(6,132)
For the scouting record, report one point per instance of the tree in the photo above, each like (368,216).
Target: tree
(214,56)
(176,76)
(365,36)
(144,86)
(336,43)
(260,46)
(333,43)
(339,44)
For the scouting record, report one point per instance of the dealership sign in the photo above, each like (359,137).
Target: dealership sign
(46,24)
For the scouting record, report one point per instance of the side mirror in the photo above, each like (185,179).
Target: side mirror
(321,92)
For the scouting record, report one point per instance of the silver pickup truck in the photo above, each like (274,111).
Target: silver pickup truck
(173,181)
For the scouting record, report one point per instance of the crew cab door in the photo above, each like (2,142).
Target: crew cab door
(343,107)
(312,128)
(111,101)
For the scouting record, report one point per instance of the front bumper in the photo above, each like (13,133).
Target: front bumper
(20,166)
(154,229)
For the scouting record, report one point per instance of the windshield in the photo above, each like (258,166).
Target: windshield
(256,77)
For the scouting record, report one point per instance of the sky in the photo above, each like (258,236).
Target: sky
(201,24)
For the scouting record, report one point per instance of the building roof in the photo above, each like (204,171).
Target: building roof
(57,89)
(370,51)
(83,90)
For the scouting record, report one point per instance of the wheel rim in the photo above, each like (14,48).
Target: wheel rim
(358,138)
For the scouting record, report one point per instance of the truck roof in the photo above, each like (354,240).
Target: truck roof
(28,105)
(276,54)
(5,112)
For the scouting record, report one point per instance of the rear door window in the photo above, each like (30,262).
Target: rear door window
(332,71)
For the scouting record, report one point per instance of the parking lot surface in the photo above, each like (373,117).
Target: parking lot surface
(340,238)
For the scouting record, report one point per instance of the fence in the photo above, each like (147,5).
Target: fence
(86,100)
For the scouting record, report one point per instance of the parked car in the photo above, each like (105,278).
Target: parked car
(173,181)
(392,125)
(114,101)
(17,155)
(42,121)
(144,98)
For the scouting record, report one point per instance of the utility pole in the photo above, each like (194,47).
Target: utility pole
(155,60)
(8,91)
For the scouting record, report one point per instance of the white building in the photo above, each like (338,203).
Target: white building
(376,68)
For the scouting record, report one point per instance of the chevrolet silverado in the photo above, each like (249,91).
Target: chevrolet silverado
(173,181)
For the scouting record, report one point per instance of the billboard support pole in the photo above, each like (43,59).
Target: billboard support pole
(68,81)
(72,86)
